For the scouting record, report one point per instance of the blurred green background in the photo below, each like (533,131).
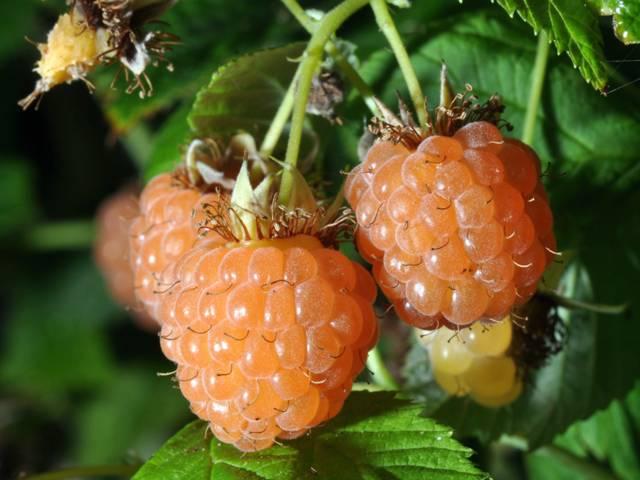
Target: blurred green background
(78,383)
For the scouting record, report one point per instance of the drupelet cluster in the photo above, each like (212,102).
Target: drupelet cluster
(267,334)
(458,229)
(111,252)
(268,338)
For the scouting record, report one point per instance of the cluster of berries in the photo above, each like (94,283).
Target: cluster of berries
(475,361)
(268,334)
(269,324)
(457,228)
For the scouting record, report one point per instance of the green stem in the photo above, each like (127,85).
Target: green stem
(581,467)
(385,22)
(345,67)
(537,82)
(86,472)
(69,235)
(574,304)
(381,374)
(279,121)
(138,143)
(310,63)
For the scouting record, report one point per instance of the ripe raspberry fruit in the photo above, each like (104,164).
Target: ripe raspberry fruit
(475,361)
(268,335)
(111,252)
(163,232)
(457,228)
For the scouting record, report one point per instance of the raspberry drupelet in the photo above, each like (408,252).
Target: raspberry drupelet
(111,252)
(457,228)
(163,232)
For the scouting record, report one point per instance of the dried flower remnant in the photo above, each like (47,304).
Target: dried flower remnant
(96,32)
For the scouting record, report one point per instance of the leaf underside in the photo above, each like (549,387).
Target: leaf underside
(573,27)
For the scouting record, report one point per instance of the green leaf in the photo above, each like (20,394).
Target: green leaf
(608,438)
(375,436)
(184,457)
(53,339)
(16,195)
(245,93)
(573,27)
(210,32)
(626,18)
(168,143)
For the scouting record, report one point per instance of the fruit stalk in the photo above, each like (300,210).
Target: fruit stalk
(279,120)
(537,82)
(343,64)
(575,304)
(381,375)
(310,63)
(388,28)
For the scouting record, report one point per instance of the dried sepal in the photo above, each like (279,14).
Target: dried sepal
(255,213)
(452,113)
(327,91)
(238,224)
(540,333)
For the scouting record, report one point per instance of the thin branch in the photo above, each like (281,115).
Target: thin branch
(386,24)
(537,83)
(381,374)
(310,63)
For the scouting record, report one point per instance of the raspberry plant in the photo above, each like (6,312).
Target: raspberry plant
(332,297)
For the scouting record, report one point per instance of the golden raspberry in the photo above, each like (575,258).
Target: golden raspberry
(111,252)
(268,335)
(458,229)
(163,232)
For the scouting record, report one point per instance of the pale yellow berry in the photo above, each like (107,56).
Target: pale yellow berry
(451,384)
(491,376)
(448,353)
(491,339)
(501,400)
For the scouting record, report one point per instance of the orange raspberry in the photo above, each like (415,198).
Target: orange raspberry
(457,229)
(166,228)
(111,252)
(268,335)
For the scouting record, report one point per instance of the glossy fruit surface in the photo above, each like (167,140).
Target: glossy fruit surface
(111,252)
(459,228)
(268,336)
(163,232)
